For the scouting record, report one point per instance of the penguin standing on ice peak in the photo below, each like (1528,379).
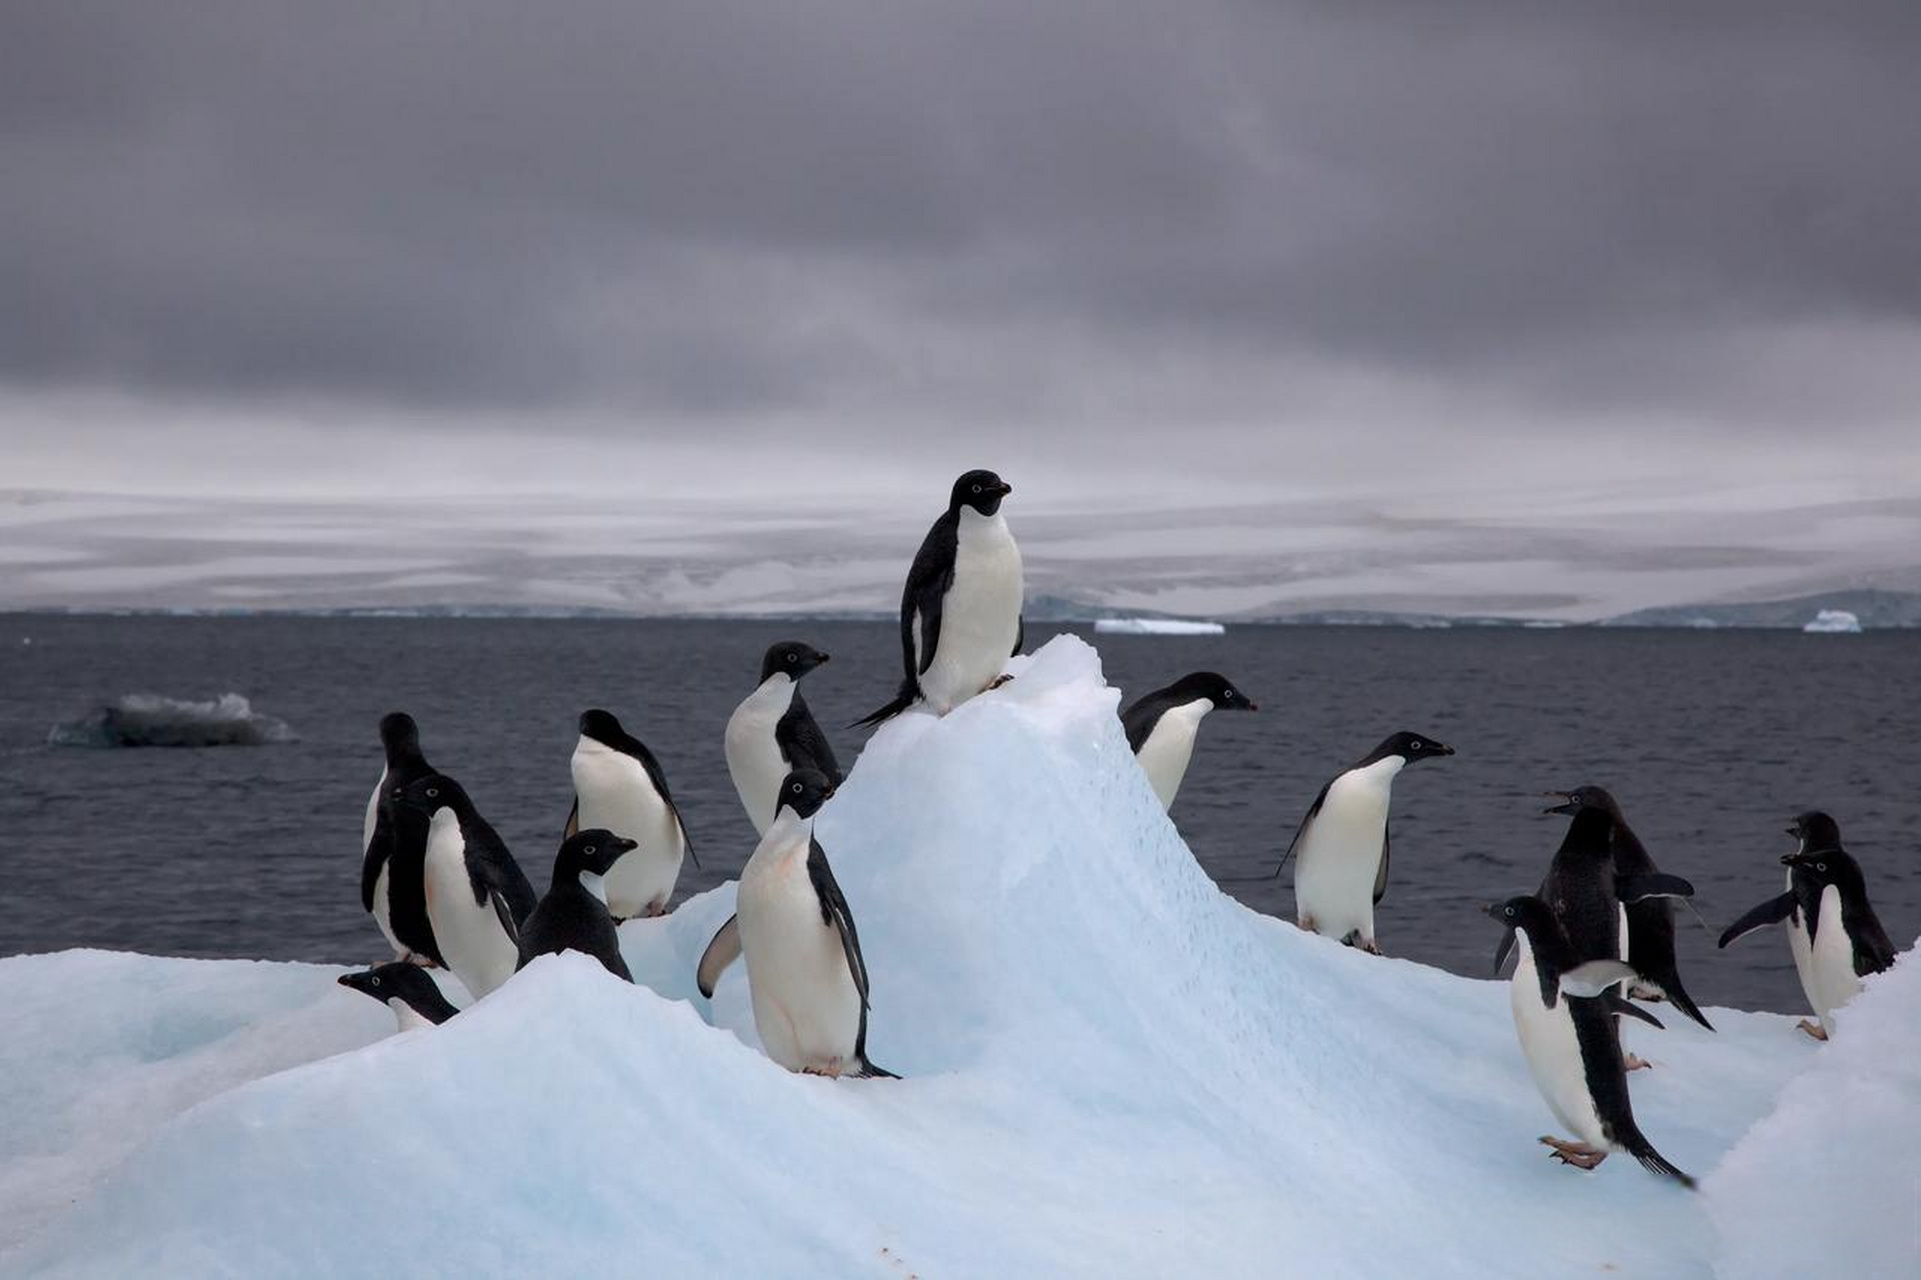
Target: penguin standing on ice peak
(1827,902)
(620,786)
(1161,726)
(772,732)
(1564,1015)
(467,863)
(405,988)
(1343,843)
(391,860)
(960,612)
(574,916)
(806,977)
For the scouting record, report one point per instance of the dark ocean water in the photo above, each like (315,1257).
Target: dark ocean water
(1711,740)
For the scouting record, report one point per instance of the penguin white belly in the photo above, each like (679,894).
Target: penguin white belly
(468,933)
(405,1016)
(753,756)
(1801,949)
(1340,853)
(1553,1052)
(806,1006)
(615,792)
(980,616)
(1831,961)
(1170,747)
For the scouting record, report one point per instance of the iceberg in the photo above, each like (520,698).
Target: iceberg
(148,720)
(1112,1069)
(1833,622)
(1157,627)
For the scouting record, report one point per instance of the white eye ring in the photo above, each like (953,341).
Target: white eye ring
(375,981)
(793,657)
(797,788)
(1417,744)
(977,488)
(1508,910)
(433,793)
(1820,866)
(592,849)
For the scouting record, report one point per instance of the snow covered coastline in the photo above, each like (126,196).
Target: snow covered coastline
(1113,1069)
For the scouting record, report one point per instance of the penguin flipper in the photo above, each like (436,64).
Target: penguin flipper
(1502,949)
(909,692)
(1380,875)
(722,950)
(505,914)
(1595,977)
(1653,884)
(572,828)
(799,737)
(1635,1144)
(1617,1003)
(1677,996)
(1773,911)
(1872,950)
(868,1071)
(834,911)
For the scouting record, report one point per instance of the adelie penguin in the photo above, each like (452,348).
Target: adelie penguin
(1650,920)
(391,887)
(1564,1015)
(405,988)
(960,612)
(1342,845)
(466,864)
(1161,726)
(1835,937)
(806,977)
(574,916)
(772,733)
(620,786)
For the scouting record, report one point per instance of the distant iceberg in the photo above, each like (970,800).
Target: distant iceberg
(1110,1075)
(1834,622)
(148,720)
(1157,627)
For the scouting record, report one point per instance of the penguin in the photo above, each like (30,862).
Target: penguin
(573,916)
(619,785)
(466,863)
(1650,922)
(772,733)
(1161,726)
(388,889)
(960,613)
(1343,843)
(1564,1015)
(1827,898)
(805,975)
(405,988)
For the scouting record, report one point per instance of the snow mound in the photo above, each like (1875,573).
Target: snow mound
(148,720)
(1112,1069)
(1157,627)
(1833,622)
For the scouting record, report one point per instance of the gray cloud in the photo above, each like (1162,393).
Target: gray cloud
(1110,217)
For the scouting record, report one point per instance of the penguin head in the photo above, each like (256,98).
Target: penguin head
(601,726)
(1526,913)
(396,980)
(792,657)
(399,734)
(1815,830)
(428,795)
(804,791)
(1823,867)
(594,850)
(981,490)
(1213,686)
(1413,746)
(1573,802)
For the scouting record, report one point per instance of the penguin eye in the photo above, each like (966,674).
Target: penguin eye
(433,793)
(1416,744)
(1820,866)
(793,657)
(797,788)
(374,981)
(977,488)
(591,849)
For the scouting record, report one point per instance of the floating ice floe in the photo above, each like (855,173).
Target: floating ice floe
(1112,1070)
(1833,622)
(148,720)
(1157,627)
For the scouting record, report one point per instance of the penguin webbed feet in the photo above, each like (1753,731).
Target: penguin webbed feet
(996,682)
(1578,1154)
(1355,940)
(1650,995)
(1635,1062)
(1812,1029)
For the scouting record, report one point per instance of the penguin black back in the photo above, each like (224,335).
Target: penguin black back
(573,916)
(1139,719)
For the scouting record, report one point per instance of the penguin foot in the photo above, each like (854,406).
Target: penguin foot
(1306,923)
(1812,1028)
(1578,1154)
(1635,1062)
(1646,994)
(996,683)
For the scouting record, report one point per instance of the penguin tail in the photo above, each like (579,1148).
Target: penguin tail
(909,691)
(1681,1000)
(868,1071)
(1653,1161)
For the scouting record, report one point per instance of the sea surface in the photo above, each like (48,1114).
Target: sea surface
(1711,740)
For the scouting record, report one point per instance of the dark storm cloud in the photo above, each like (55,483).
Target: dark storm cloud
(695,208)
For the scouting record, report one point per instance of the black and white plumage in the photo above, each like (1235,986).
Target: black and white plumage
(1565,1011)
(1342,846)
(573,916)
(1161,726)
(619,785)
(1827,899)
(772,732)
(1650,920)
(391,865)
(407,989)
(467,863)
(960,612)
(806,976)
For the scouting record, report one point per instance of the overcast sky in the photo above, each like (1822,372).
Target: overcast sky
(1449,254)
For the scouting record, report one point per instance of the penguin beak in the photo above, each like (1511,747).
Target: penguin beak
(1005,489)
(828,794)
(1793,831)
(1253,705)
(1492,910)
(625,845)
(1445,749)
(1567,804)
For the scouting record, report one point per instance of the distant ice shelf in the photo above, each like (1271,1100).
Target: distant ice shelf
(1834,622)
(1157,627)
